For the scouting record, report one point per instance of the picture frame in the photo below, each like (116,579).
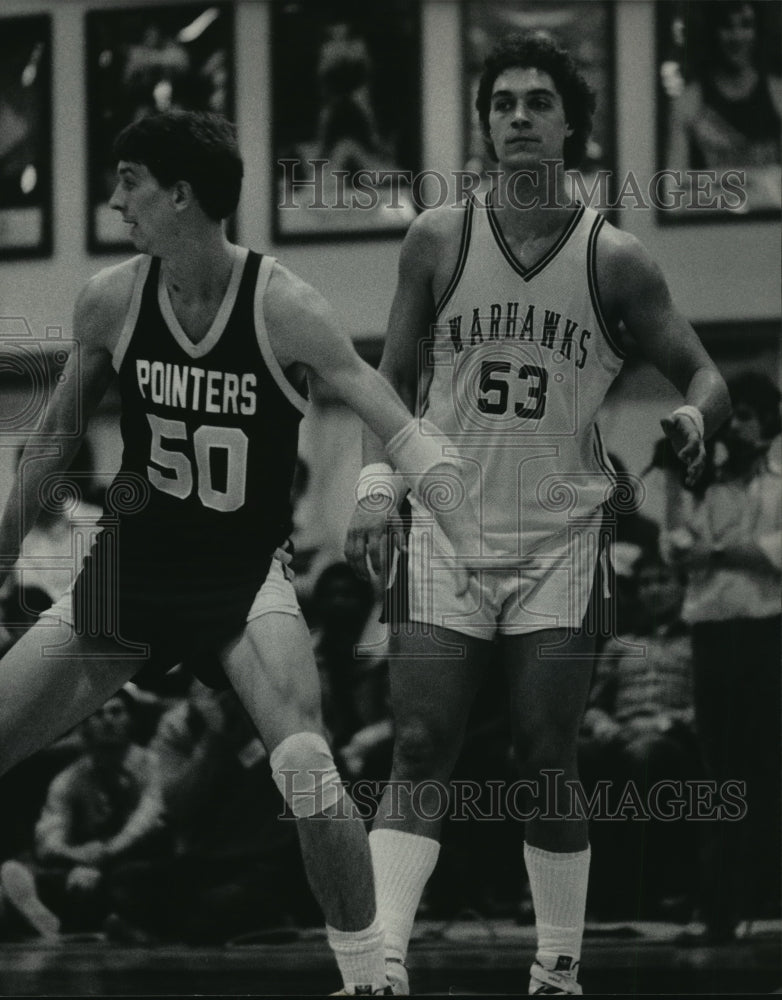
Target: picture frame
(346,119)
(141,60)
(586,29)
(25,136)
(719,155)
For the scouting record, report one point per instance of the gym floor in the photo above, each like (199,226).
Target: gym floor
(463,957)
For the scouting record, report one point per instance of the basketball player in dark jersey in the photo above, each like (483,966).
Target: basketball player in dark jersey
(211,344)
(523,306)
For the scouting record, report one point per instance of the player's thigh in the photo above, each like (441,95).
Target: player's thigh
(50,680)
(434,674)
(271,666)
(549,674)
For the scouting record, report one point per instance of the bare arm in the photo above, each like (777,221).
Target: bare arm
(84,381)
(412,313)
(636,295)
(302,330)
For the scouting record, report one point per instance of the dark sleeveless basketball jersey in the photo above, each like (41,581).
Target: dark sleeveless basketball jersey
(210,440)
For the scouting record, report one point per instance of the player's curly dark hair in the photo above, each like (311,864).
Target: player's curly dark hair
(541,52)
(193,146)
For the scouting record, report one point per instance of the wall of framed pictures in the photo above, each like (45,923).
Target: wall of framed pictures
(431,53)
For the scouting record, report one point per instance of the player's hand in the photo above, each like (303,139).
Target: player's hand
(687,443)
(368,542)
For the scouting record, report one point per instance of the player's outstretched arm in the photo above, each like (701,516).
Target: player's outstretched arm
(637,295)
(302,330)
(81,386)
(412,313)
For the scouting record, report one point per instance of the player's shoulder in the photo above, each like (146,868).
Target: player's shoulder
(437,227)
(620,255)
(291,303)
(105,298)
(298,318)
(432,238)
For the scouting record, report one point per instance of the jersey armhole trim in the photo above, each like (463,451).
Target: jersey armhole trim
(594,292)
(461,260)
(131,317)
(602,458)
(262,335)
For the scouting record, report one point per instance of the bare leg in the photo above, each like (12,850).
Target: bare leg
(49,681)
(548,697)
(433,684)
(272,669)
(434,676)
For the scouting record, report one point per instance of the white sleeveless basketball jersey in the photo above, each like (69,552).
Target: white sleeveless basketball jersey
(520,360)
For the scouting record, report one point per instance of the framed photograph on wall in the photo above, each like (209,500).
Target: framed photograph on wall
(141,61)
(719,99)
(586,29)
(346,101)
(25,136)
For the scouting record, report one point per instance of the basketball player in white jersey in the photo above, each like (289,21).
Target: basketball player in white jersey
(210,344)
(511,319)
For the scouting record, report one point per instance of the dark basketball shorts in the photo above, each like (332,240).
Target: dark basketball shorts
(170,615)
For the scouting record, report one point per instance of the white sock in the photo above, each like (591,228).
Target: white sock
(402,863)
(360,956)
(558,883)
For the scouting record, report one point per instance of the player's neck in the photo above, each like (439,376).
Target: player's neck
(199,267)
(529,208)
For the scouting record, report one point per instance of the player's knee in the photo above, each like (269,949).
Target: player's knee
(303,769)
(539,752)
(424,751)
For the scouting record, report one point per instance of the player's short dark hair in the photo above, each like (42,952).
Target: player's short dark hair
(194,146)
(756,390)
(539,51)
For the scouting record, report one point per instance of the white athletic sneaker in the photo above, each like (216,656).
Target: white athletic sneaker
(18,886)
(364,991)
(559,980)
(396,974)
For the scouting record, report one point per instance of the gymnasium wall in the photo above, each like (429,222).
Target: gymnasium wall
(724,277)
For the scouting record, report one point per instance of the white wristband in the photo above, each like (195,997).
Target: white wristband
(375,489)
(415,449)
(694,414)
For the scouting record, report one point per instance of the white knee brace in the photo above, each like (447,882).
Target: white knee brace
(304,771)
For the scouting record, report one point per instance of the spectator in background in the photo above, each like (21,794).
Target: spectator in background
(102,810)
(634,534)
(729,541)
(638,728)
(236,867)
